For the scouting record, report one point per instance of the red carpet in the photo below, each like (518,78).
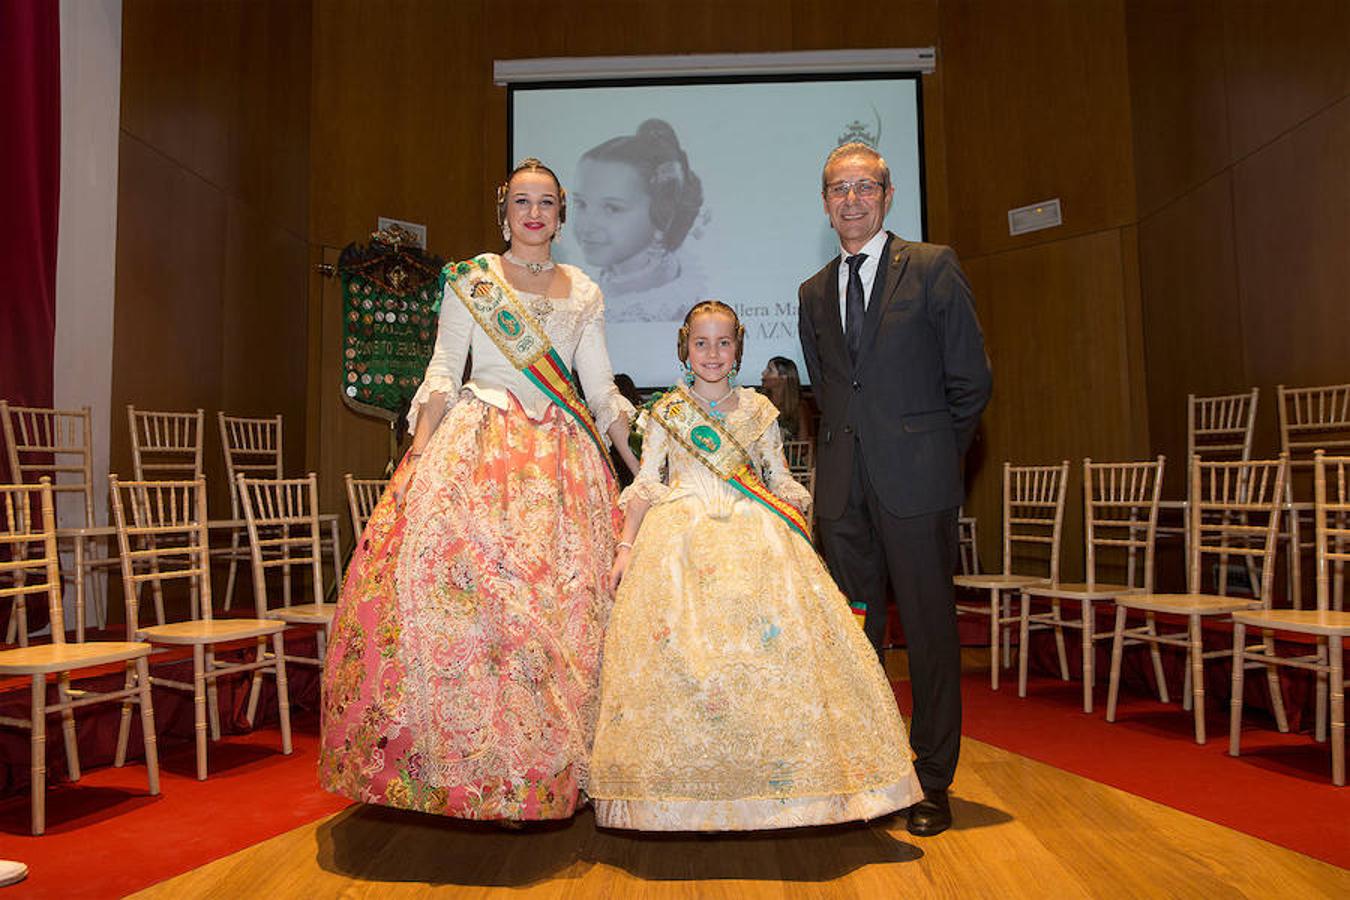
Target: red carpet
(1279,790)
(106,837)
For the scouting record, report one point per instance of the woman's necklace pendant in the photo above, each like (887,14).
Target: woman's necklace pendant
(534,268)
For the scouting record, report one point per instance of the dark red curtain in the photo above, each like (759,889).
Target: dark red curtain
(30,196)
(30,181)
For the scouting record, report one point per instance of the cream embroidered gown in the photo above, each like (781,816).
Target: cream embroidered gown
(737,692)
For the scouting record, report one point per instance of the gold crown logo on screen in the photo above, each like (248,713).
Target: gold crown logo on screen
(858,131)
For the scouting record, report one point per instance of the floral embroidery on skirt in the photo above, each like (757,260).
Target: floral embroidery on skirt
(462,671)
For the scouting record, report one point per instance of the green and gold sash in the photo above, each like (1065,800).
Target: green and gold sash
(712,445)
(499,312)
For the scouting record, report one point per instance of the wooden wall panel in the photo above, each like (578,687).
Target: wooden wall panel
(1140,440)
(1056,327)
(271,134)
(1037,106)
(1178,96)
(264,337)
(616,28)
(1193,326)
(1292,213)
(169,287)
(1292,202)
(397,119)
(213,212)
(179,79)
(1285,62)
(1241,274)
(398,122)
(222,88)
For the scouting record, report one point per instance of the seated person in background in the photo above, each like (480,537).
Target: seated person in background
(624,383)
(781,384)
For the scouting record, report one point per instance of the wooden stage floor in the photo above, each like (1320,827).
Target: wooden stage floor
(1024,829)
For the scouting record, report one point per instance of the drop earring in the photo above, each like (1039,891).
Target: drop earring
(731,376)
(557,233)
(688,375)
(506,232)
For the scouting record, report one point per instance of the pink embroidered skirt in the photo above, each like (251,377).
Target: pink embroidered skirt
(462,673)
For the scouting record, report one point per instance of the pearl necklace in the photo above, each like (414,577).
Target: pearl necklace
(534,268)
(712,404)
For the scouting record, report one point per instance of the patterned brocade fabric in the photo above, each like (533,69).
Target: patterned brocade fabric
(737,691)
(462,671)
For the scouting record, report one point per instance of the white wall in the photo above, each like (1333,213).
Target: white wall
(91,75)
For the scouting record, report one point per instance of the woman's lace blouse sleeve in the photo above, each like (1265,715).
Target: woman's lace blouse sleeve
(593,369)
(446,367)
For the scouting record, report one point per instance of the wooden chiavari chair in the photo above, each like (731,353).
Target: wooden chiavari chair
(58,444)
(253,448)
(168,446)
(968,543)
(362,496)
(1314,418)
(1218,427)
(1120,516)
(33,557)
(1033,517)
(1221,427)
(1328,624)
(289,509)
(166,521)
(1225,499)
(801,460)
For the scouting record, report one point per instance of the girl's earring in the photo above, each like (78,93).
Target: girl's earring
(688,375)
(557,233)
(731,376)
(506,232)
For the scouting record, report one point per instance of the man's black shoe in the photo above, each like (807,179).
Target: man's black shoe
(931,815)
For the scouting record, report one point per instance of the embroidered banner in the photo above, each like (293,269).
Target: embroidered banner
(389,306)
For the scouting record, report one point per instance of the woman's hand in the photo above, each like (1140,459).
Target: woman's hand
(629,460)
(618,436)
(404,477)
(616,571)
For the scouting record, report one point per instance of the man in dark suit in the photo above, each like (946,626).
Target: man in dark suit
(899,370)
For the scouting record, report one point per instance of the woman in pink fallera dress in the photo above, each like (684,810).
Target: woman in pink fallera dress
(462,674)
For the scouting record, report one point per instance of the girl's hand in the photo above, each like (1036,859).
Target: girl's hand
(616,571)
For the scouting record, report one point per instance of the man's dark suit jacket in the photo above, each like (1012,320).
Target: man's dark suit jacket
(915,395)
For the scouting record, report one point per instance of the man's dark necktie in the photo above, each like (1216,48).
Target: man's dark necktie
(853,307)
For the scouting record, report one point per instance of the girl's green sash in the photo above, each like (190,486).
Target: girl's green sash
(711,444)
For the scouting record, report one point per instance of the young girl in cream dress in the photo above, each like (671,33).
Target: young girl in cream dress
(737,692)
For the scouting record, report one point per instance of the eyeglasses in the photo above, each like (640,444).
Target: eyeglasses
(864,188)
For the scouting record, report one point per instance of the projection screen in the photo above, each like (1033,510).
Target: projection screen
(737,217)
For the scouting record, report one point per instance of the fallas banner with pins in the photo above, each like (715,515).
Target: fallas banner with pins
(389,316)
